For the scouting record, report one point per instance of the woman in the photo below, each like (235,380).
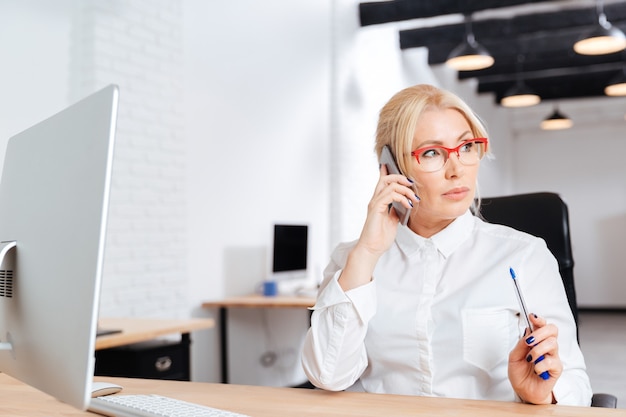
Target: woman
(430,308)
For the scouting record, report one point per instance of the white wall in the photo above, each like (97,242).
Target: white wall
(34,40)
(277,105)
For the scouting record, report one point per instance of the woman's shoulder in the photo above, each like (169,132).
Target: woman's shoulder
(499,232)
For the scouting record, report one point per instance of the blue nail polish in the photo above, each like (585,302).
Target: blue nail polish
(418,197)
(539,359)
(536,316)
(410,202)
(529,358)
(410,180)
(530,340)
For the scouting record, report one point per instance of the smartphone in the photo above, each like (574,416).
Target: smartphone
(386,158)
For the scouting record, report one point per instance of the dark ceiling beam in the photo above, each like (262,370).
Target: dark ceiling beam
(544,41)
(547,48)
(374,13)
(519,30)
(548,51)
(607,69)
(542,63)
(568,86)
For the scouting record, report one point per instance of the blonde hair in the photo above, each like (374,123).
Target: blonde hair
(399,116)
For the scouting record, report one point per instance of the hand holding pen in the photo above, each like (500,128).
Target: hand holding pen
(530,340)
(538,348)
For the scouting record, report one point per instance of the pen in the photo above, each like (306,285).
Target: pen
(545,375)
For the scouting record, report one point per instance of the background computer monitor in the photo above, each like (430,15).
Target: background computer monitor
(54,195)
(290,251)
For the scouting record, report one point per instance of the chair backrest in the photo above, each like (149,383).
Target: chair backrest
(543,215)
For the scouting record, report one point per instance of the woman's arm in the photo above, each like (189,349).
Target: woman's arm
(554,338)
(379,230)
(334,354)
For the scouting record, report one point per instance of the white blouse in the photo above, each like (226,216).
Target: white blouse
(440,317)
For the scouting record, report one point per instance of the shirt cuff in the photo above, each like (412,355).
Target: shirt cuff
(568,393)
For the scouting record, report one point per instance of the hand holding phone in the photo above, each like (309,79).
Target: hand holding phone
(386,158)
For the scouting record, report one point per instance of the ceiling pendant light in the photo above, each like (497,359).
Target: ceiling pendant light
(617,86)
(603,39)
(556,121)
(469,55)
(520,95)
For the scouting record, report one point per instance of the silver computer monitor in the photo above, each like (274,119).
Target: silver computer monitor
(54,195)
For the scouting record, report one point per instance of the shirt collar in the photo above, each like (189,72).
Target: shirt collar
(446,241)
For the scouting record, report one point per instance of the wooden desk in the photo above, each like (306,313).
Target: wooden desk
(20,400)
(135,330)
(261,301)
(123,354)
(250,301)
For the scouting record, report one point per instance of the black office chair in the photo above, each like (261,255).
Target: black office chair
(544,215)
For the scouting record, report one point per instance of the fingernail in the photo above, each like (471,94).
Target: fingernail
(410,202)
(535,316)
(545,375)
(410,180)
(529,358)
(418,197)
(539,359)
(530,340)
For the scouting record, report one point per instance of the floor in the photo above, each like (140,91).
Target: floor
(603,342)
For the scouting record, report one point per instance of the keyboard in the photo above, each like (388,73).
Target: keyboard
(138,405)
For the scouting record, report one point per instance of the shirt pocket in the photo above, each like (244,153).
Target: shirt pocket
(486,336)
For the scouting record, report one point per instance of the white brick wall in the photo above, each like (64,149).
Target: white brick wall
(138,46)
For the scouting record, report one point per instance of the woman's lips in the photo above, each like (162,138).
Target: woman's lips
(457,193)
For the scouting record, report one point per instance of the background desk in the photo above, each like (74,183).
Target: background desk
(135,352)
(250,301)
(20,400)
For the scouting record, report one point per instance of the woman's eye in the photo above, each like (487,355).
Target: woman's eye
(467,147)
(430,153)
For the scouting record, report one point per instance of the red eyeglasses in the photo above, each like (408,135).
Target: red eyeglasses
(433,158)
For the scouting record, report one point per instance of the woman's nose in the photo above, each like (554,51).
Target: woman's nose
(453,165)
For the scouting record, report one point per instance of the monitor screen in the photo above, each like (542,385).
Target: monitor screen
(54,194)
(290,248)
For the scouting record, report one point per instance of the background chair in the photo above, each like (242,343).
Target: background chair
(543,215)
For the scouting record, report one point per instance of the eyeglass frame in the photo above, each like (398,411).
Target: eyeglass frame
(484,141)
